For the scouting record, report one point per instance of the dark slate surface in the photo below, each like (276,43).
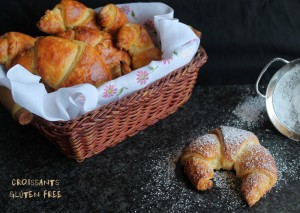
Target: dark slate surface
(142,173)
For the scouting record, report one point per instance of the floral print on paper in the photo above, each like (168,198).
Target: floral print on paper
(121,91)
(149,25)
(80,99)
(142,77)
(109,91)
(167,61)
(133,15)
(126,9)
(152,69)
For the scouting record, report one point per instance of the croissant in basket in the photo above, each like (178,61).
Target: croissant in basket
(231,148)
(136,40)
(117,60)
(66,15)
(111,18)
(63,63)
(13,43)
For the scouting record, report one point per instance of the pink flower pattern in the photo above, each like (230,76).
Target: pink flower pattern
(126,9)
(149,25)
(142,77)
(167,61)
(109,91)
(81,99)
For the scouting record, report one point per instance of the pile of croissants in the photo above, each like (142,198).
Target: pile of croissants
(80,46)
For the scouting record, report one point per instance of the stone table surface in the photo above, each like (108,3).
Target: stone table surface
(142,174)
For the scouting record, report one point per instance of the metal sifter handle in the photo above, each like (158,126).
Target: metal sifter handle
(264,70)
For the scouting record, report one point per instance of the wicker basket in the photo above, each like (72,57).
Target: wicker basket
(107,126)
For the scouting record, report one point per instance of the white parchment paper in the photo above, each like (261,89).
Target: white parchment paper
(178,43)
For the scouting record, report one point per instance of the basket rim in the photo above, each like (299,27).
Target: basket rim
(199,59)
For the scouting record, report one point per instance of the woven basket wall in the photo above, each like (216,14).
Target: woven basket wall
(107,126)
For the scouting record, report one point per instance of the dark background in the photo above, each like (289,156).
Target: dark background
(240,36)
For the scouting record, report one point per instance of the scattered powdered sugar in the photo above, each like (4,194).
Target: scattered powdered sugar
(167,176)
(286,99)
(250,111)
(228,185)
(226,180)
(288,168)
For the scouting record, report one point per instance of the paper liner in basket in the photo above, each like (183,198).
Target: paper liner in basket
(178,43)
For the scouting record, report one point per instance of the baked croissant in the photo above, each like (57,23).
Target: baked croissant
(136,40)
(111,18)
(11,44)
(63,63)
(231,148)
(66,15)
(117,60)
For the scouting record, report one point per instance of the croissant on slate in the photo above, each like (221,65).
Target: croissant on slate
(66,15)
(231,148)
(117,60)
(11,44)
(136,40)
(63,63)
(111,18)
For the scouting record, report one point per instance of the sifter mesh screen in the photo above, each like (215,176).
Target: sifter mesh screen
(286,99)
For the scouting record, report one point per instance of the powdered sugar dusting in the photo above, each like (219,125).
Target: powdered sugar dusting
(206,145)
(233,138)
(250,111)
(207,139)
(256,157)
(286,99)
(229,186)
(166,175)
(288,168)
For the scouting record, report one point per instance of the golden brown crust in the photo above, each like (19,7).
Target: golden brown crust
(66,15)
(145,57)
(206,147)
(3,50)
(87,35)
(199,173)
(254,186)
(233,140)
(55,57)
(27,59)
(118,61)
(52,22)
(256,158)
(12,44)
(200,159)
(90,68)
(231,148)
(62,63)
(112,19)
(74,13)
(136,40)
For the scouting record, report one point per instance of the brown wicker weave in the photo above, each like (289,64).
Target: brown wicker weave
(107,126)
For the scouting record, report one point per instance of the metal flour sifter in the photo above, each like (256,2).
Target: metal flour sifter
(283,97)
